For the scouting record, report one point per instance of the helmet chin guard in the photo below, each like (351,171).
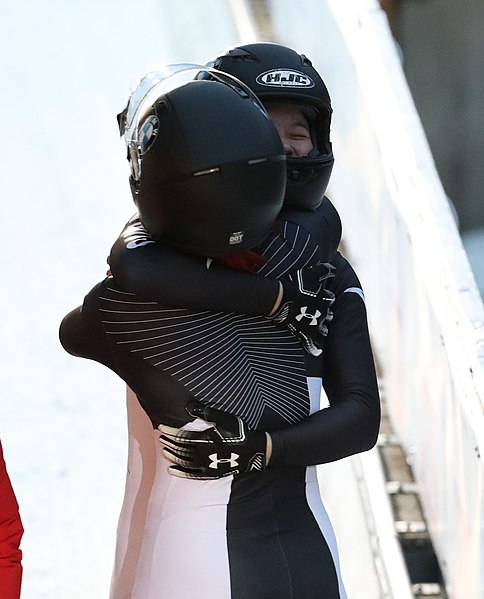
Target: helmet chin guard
(207,165)
(277,74)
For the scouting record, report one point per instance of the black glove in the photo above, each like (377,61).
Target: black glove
(228,447)
(306,306)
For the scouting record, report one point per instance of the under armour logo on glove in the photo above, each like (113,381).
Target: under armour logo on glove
(304,314)
(306,306)
(228,447)
(232,461)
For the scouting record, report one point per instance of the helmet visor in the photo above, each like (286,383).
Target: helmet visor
(152,86)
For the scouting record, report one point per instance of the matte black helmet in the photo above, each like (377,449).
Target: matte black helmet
(208,168)
(276,73)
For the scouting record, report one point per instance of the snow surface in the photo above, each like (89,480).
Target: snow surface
(66,69)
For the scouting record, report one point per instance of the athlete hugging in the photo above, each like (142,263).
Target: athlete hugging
(227,311)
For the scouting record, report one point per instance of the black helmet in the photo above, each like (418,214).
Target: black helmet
(207,164)
(276,73)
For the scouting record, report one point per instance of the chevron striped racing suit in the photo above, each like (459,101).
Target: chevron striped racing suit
(258,535)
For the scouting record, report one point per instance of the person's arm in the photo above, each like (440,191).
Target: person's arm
(162,274)
(11,531)
(158,272)
(351,423)
(349,426)
(82,334)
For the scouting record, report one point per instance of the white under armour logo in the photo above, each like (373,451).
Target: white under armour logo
(303,314)
(216,461)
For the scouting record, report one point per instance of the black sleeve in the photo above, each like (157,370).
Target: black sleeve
(81,332)
(82,335)
(351,423)
(162,274)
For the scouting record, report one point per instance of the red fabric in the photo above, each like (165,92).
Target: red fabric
(11,531)
(248,260)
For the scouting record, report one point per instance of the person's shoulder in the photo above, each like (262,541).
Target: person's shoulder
(325,212)
(345,276)
(322,225)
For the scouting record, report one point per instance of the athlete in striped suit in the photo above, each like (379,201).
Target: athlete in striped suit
(262,533)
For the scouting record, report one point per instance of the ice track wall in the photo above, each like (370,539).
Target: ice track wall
(426,315)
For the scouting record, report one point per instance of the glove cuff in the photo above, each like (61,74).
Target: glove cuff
(281,314)
(277,450)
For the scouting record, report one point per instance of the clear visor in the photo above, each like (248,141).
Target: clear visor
(169,77)
(144,88)
(155,84)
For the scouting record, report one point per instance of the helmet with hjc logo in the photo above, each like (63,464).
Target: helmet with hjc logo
(207,164)
(276,73)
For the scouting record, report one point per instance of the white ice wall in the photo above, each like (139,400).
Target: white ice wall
(426,315)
